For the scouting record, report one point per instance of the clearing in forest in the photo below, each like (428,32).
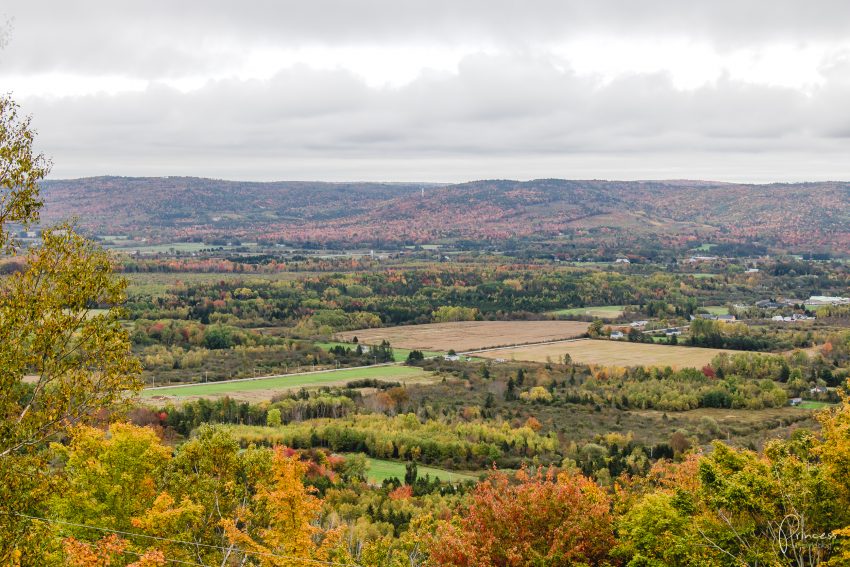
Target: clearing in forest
(468,335)
(612,353)
(381,470)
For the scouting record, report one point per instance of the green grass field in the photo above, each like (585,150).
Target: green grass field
(289,382)
(814,405)
(380,470)
(399,354)
(717,309)
(602,312)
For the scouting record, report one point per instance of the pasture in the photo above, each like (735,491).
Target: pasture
(813,405)
(259,389)
(467,335)
(611,353)
(380,470)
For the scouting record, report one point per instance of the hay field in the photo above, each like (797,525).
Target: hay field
(468,335)
(612,353)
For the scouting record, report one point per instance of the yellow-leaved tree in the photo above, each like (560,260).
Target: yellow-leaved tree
(277,528)
(63,353)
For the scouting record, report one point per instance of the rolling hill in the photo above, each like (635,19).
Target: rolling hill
(793,217)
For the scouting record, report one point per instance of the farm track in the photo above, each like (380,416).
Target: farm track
(523,345)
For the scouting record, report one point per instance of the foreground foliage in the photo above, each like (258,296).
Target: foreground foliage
(59,364)
(210,501)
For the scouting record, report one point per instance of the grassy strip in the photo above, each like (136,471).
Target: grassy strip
(290,381)
(814,405)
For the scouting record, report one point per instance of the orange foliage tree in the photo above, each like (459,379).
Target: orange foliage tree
(537,520)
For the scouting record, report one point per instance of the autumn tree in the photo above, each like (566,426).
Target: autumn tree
(273,418)
(834,453)
(60,361)
(277,529)
(21,168)
(535,519)
(737,507)
(110,477)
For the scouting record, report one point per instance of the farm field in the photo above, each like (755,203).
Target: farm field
(601,312)
(812,405)
(468,335)
(380,470)
(717,309)
(612,353)
(264,388)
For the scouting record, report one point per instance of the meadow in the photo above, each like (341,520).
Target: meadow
(468,335)
(382,469)
(264,388)
(611,353)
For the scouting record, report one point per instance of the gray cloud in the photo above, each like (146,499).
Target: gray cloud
(518,111)
(163,38)
(497,107)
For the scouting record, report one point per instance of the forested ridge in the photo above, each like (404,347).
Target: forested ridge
(805,216)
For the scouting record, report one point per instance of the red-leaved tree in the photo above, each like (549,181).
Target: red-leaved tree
(530,520)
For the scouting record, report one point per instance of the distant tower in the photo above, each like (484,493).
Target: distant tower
(423,192)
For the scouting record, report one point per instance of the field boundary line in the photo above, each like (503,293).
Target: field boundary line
(522,345)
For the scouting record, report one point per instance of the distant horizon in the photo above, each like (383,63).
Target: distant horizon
(460,182)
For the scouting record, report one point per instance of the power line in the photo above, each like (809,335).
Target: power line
(91,545)
(184,542)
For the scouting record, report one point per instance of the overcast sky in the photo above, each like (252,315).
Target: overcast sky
(436,90)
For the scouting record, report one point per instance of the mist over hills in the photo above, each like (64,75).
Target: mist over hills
(792,217)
